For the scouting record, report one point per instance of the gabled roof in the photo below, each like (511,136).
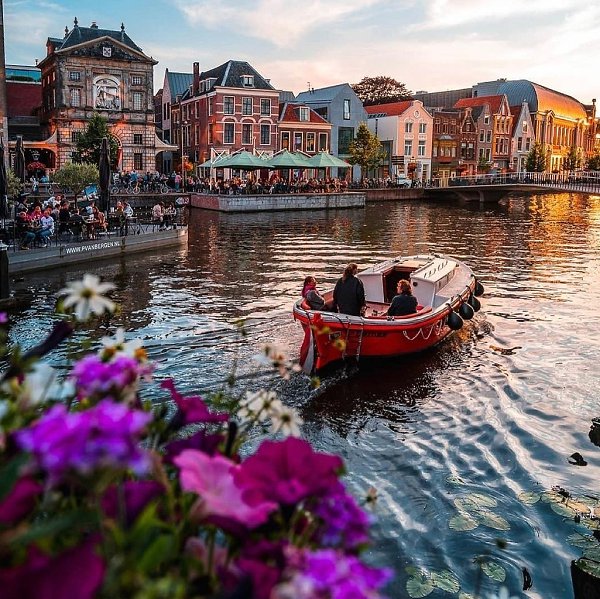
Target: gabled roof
(391,109)
(322,94)
(494,102)
(178,82)
(81,35)
(289,113)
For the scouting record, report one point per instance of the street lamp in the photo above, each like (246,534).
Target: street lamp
(183,124)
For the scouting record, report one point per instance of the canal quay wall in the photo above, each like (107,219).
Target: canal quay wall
(107,248)
(272,202)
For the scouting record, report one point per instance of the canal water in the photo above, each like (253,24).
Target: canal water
(474,427)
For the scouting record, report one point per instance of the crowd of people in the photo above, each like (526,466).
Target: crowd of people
(349,296)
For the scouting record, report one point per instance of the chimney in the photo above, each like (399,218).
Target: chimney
(196,79)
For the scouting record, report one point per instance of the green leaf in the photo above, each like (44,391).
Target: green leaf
(446,581)
(483,500)
(463,595)
(494,570)
(463,522)
(591,567)
(9,473)
(160,550)
(529,497)
(562,509)
(414,571)
(582,541)
(592,553)
(419,586)
(53,527)
(592,523)
(492,520)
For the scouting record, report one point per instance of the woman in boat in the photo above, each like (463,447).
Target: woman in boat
(314,299)
(349,293)
(405,302)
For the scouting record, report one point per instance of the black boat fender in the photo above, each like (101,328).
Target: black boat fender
(474,303)
(479,290)
(466,311)
(455,322)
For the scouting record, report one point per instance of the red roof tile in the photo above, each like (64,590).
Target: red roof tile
(292,114)
(391,109)
(494,102)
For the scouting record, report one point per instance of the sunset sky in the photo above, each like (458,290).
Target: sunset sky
(429,45)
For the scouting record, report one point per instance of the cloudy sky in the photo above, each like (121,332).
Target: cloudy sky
(429,45)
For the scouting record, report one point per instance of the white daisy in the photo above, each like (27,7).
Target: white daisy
(86,296)
(256,405)
(285,420)
(38,385)
(118,345)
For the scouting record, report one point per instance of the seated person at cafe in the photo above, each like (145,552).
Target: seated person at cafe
(127,209)
(405,302)
(76,223)
(64,214)
(169,215)
(24,230)
(46,227)
(99,220)
(158,214)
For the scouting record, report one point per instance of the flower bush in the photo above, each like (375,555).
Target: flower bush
(103,494)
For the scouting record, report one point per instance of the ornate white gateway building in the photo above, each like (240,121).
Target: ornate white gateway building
(99,70)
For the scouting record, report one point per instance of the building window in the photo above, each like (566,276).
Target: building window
(519,143)
(486,119)
(246,133)
(74,76)
(488,136)
(322,111)
(137,161)
(265,107)
(524,127)
(421,149)
(323,145)
(247,106)
(137,139)
(210,132)
(248,80)
(408,148)
(210,106)
(346,110)
(265,135)
(137,80)
(304,115)
(138,101)
(75,97)
(75,136)
(228,133)
(345,137)
(196,134)
(197,108)
(423,127)
(408,127)
(285,140)
(310,142)
(297,142)
(228,105)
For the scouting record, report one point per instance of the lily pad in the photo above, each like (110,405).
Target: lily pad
(463,595)
(446,581)
(589,566)
(582,541)
(414,571)
(591,523)
(529,497)
(419,586)
(462,522)
(494,570)
(454,480)
(562,509)
(592,553)
(488,518)
(483,500)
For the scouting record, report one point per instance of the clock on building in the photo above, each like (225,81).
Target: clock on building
(106,51)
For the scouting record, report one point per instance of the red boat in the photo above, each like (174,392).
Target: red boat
(445,289)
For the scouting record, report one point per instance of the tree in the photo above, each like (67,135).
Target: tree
(380,90)
(594,162)
(573,159)
(76,177)
(365,150)
(483,166)
(536,159)
(89,142)
(13,184)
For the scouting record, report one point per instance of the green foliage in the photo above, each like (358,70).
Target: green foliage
(365,149)
(536,160)
(593,163)
(89,142)
(483,166)
(573,160)
(76,176)
(380,90)
(14,185)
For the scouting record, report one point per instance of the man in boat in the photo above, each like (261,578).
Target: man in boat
(349,292)
(405,302)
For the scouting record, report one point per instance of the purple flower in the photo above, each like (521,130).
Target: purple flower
(117,379)
(329,573)
(200,441)
(103,436)
(132,497)
(191,409)
(20,501)
(77,573)
(3,317)
(289,471)
(345,524)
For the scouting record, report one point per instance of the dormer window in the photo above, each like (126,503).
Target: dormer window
(304,116)
(248,80)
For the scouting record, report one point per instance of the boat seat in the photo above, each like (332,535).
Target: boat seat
(417,313)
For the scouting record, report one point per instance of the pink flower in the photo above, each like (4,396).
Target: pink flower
(192,409)
(289,471)
(20,501)
(220,496)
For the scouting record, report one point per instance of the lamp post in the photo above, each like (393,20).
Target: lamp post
(183,124)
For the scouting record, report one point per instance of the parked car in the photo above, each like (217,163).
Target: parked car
(402,181)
